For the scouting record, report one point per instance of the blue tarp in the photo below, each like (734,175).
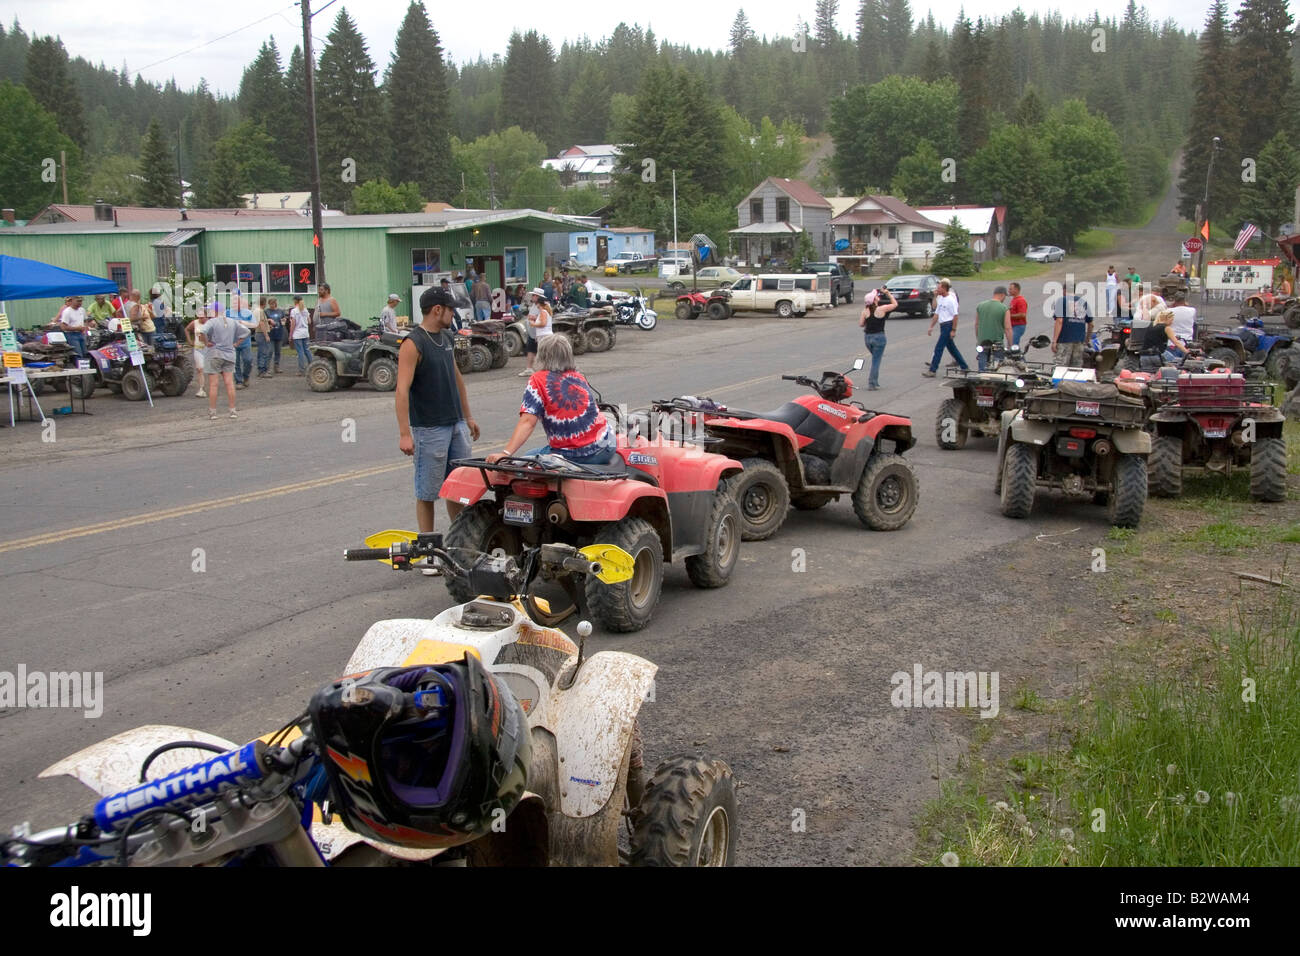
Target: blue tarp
(29,279)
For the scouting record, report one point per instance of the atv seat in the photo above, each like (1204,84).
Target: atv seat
(620,467)
(348,345)
(790,413)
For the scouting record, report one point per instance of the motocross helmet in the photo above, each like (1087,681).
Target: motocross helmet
(836,387)
(422,756)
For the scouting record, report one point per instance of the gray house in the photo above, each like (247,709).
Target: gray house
(772,216)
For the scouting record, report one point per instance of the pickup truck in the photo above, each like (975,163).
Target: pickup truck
(628,262)
(773,293)
(841,283)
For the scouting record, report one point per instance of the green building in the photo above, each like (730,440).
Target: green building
(366,257)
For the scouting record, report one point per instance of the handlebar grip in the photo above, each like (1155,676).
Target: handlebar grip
(581,565)
(366,554)
(791,378)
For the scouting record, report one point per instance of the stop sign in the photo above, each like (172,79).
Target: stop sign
(1193,245)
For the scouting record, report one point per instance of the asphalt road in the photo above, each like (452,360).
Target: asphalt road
(784,674)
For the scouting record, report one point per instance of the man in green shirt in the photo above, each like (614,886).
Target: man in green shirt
(579,293)
(992,324)
(101,310)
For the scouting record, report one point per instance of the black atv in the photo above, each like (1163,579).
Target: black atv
(344,362)
(480,345)
(979,398)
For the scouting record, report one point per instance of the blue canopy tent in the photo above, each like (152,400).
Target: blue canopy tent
(29,279)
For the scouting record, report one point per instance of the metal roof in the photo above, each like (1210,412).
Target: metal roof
(765,229)
(177,238)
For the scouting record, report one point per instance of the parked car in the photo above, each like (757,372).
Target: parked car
(1045,254)
(841,282)
(717,277)
(599,292)
(675,265)
(628,262)
(914,293)
(775,293)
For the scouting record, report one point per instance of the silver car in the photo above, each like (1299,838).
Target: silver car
(1045,254)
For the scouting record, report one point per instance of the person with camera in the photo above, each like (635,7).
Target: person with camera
(876,306)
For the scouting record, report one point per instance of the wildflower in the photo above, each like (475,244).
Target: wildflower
(1021,819)
(1171,769)
(1066,834)
(1001,806)
(1229,798)
(1202,797)
(950,859)
(1179,798)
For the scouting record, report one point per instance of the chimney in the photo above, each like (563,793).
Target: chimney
(8,215)
(104,211)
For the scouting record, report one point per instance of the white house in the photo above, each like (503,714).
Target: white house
(585,165)
(982,222)
(882,226)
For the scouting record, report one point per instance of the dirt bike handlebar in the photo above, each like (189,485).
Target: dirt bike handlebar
(366,554)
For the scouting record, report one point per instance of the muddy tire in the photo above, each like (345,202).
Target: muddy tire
(1130,362)
(322,375)
(1165,467)
(598,340)
(687,816)
(713,568)
(810,502)
(1227,356)
(172,381)
(500,356)
(628,606)
(887,493)
(953,409)
(1268,470)
(478,528)
(718,310)
(480,357)
(1019,479)
(133,385)
(684,311)
(463,360)
(1003,435)
(835,299)
(382,375)
(82,386)
(514,342)
(763,497)
(1288,367)
(1292,317)
(1129,491)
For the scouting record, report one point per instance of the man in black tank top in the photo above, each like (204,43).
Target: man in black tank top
(433,420)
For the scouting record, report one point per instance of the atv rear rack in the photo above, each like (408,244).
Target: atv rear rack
(1053,405)
(536,468)
(1213,397)
(1032,371)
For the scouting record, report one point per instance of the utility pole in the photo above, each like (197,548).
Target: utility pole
(1205,211)
(180,179)
(309,63)
(63,164)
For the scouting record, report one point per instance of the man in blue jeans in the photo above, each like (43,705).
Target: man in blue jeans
(945,313)
(241,313)
(434,425)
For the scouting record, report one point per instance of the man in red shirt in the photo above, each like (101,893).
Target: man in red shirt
(1018,312)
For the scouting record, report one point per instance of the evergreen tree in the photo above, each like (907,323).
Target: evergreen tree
(349,114)
(419,114)
(528,85)
(824,29)
(199,132)
(587,105)
(158,185)
(1030,111)
(261,89)
(742,34)
(970,60)
(28,136)
(897,27)
(873,53)
(223,183)
(1213,113)
(48,80)
(953,257)
(291,139)
(1270,200)
(1261,64)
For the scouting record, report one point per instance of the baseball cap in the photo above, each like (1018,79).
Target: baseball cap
(433,296)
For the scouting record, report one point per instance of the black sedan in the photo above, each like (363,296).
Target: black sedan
(915,294)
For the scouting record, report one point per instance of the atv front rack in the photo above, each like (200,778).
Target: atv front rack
(1032,372)
(536,468)
(1211,397)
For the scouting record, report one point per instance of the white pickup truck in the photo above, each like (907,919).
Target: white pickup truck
(784,294)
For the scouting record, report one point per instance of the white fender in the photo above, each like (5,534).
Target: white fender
(593,725)
(113,765)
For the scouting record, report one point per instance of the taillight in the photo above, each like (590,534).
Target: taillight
(530,489)
(1083,432)
(914,292)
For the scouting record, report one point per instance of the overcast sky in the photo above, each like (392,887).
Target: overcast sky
(144,32)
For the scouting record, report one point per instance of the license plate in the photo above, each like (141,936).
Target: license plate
(1216,433)
(1087,408)
(983,401)
(518,512)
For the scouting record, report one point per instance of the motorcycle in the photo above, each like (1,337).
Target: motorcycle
(634,311)
(268,802)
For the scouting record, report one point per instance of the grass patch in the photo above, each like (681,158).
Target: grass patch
(1228,536)
(1093,241)
(1176,771)
(1140,216)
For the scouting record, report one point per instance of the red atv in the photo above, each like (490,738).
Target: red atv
(809,452)
(655,501)
(716,303)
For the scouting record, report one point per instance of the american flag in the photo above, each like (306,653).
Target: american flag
(1243,237)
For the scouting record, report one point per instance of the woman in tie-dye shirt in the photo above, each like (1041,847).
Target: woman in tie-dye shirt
(559,397)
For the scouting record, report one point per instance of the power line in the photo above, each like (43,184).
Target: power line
(215,40)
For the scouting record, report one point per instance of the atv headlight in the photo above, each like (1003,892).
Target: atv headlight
(1020,383)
